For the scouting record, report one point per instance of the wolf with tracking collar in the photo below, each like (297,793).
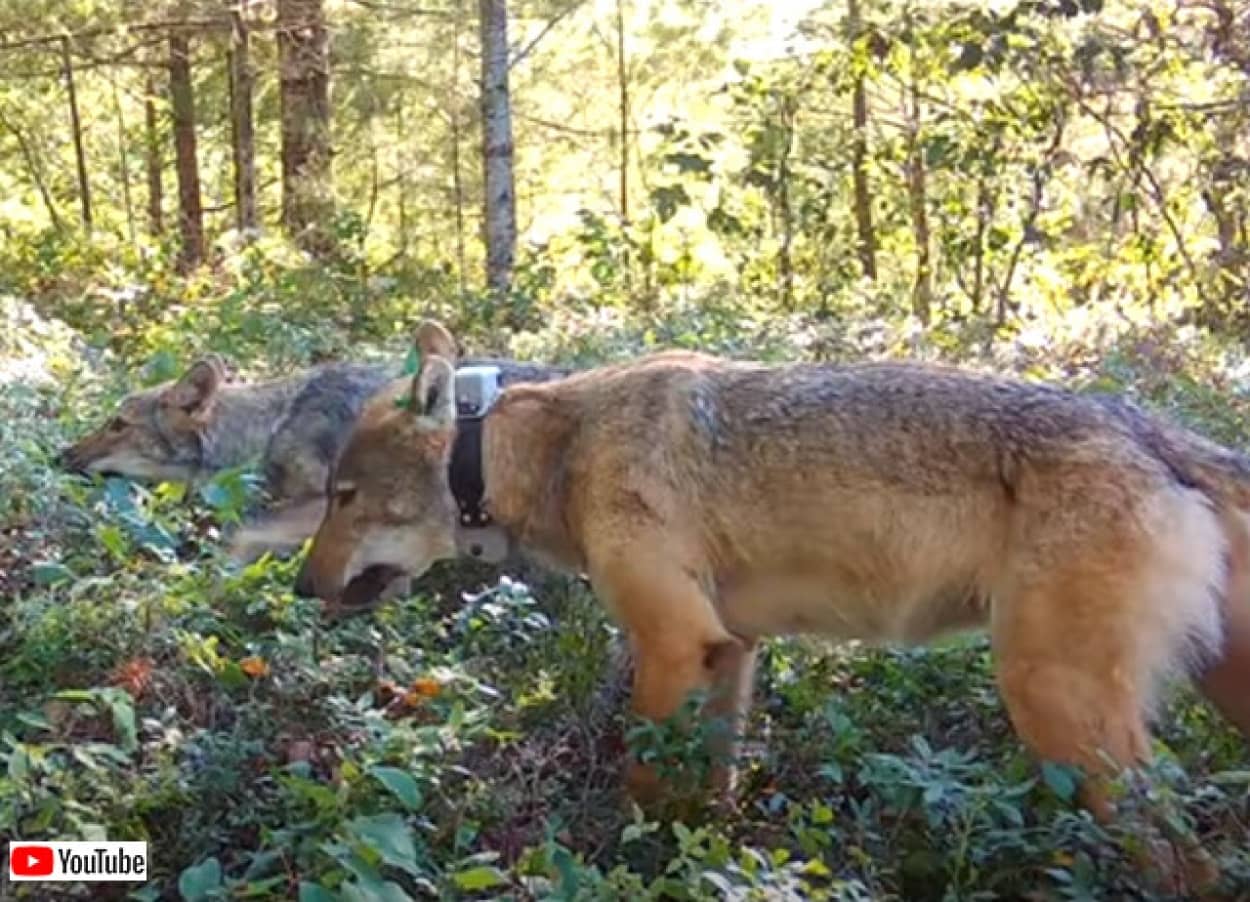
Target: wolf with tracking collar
(714,503)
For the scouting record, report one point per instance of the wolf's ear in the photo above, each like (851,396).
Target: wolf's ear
(432,340)
(434,393)
(198,385)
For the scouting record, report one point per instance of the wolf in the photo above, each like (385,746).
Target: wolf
(715,503)
(195,426)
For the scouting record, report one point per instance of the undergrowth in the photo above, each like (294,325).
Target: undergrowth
(466,741)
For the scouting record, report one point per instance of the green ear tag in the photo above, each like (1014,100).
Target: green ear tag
(412,366)
(412,363)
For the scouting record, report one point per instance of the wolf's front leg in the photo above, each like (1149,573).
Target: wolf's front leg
(680,648)
(281,530)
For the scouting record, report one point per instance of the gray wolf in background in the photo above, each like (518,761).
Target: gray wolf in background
(188,429)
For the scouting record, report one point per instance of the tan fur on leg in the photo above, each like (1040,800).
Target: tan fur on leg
(677,638)
(1077,698)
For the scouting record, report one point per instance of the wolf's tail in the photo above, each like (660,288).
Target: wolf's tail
(1220,474)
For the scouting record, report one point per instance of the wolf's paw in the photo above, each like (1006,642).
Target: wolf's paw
(667,799)
(1183,869)
(644,786)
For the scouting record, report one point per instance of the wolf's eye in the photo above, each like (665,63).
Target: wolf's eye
(345,495)
(117,425)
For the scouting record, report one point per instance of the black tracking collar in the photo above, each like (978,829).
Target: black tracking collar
(465,472)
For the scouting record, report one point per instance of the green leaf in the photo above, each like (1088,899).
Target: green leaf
(311,892)
(401,783)
(199,880)
(263,864)
(479,878)
(689,162)
(171,492)
(566,867)
(19,764)
(388,835)
(123,711)
(832,771)
(232,675)
(161,367)
(817,868)
(75,695)
(370,890)
(937,150)
(1060,779)
(50,573)
(1231,778)
(114,540)
(34,720)
(667,199)
(119,492)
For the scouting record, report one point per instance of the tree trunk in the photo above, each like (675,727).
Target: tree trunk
(985,216)
(182,104)
(500,193)
(457,137)
(242,124)
(1038,178)
(401,174)
(917,193)
(1228,260)
(36,172)
(123,165)
(785,258)
(80,156)
(304,63)
(152,161)
(867,240)
(375,183)
(622,79)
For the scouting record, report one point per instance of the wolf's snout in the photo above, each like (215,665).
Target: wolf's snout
(66,459)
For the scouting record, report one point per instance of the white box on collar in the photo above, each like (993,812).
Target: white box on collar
(477,387)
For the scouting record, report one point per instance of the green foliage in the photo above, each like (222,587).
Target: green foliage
(467,740)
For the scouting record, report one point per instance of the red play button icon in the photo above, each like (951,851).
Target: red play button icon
(31,861)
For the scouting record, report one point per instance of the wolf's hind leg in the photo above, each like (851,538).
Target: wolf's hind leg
(1073,662)
(1069,707)
(1226,682)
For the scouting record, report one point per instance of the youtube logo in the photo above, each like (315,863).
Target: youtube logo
(31,861)
(78,861)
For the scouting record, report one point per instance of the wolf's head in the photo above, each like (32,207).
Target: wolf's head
(156,433)
(389,507)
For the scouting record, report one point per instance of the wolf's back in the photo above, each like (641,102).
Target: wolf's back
(311,433)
